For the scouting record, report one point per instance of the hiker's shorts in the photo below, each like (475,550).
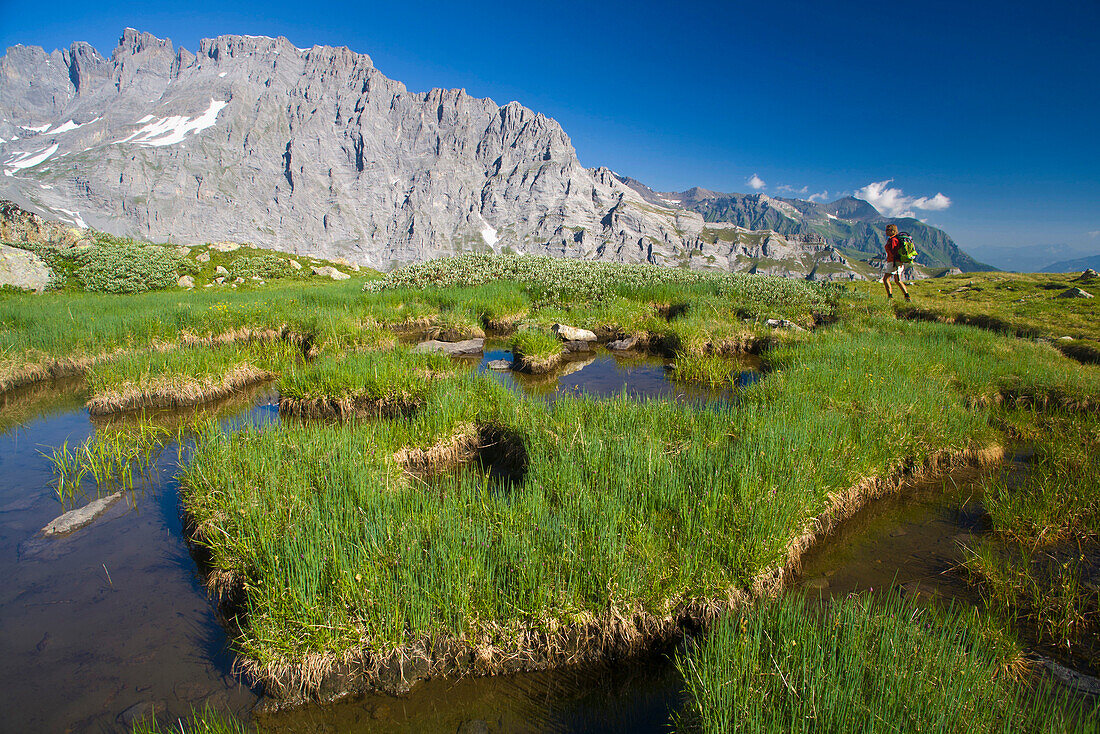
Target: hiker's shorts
(897,269)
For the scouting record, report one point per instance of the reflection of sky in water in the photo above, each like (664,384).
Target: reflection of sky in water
(603,374)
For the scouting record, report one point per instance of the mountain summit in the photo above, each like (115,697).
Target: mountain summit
(316,151)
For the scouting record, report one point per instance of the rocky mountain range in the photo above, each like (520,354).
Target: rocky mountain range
(315,151)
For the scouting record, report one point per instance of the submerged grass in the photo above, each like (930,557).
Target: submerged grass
(203,721)
(112,460)
(871,664)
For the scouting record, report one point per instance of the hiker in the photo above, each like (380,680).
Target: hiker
(894,265)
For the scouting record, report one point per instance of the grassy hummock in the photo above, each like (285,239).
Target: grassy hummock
(630,518)
(865,664)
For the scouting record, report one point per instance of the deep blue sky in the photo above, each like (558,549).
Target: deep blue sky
(993,104)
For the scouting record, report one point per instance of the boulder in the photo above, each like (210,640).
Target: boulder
(295,264)
(23,269)
(468,346)
(783,324)
(1075,293)
(622,345)
(219,270)
(203,257)
(499,364)
(183,250)
(579,346)
(186,281)
(75,519)
(572,334)
(219,280)
(330,272)
(224,246)
(1089,273)
(238,280)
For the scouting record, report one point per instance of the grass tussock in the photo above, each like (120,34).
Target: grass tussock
(203,721)
(632,519)
(865,664)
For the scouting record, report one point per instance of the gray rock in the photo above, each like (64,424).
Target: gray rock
(186,281)
(75,519)
(23,269)
(579,346)
(219,270)
(203,257)
(572,334)
(295,264)
(362,176)
(1073,679)
(1075,293)
(1088,273)
(468,346)
(622,345)
(219,280)
(499,364)
(783,324)
(330,272)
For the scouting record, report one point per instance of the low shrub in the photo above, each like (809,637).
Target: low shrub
(126,268)
(268,266)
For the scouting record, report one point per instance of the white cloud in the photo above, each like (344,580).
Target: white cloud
(756,182)
(792,189)
(820,196)
(1094,233)
(893,202)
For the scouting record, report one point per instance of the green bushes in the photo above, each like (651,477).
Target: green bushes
(267,266)
(125,268)
(865,664)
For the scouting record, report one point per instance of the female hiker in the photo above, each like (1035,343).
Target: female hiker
(894,265)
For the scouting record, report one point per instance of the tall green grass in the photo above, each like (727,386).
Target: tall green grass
(390,373)
(626,507)
(868,664)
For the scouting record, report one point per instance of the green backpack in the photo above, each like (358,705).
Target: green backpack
(907,251)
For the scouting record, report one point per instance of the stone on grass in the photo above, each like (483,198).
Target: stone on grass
(783,324)
(75,519)
(186,281)
(572,334)
(295,264)
(219,270)
(203,257)
(1089,273)
(1075,293)
(468,346)
(330,272)
(219,280)
(224,246)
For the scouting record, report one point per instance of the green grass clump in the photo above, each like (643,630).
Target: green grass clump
(625,507)
(392,373)
(866,664)
(536,344)
(267,266)
(126,268)
(204,721)
(112,460)
(708,369)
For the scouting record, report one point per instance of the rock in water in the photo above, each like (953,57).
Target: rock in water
(23,269)
(499,364)
(572,334)
(622,345)
(75,519)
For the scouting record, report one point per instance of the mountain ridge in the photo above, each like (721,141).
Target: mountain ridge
(315,151)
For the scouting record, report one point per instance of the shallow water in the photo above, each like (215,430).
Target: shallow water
(114,615)
(603,374)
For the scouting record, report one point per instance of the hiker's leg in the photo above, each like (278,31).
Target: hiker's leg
(886,282)
(897,279)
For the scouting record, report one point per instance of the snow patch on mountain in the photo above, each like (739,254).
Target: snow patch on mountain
(172,130)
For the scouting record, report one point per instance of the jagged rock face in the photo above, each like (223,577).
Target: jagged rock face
(312,151)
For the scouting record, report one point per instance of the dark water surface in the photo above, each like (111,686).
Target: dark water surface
(114,615)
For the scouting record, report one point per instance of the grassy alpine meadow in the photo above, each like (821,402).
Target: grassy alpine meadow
(1027,305)
(870,664)
(621,516)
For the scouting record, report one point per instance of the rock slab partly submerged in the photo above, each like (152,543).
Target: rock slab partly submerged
(78,518)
